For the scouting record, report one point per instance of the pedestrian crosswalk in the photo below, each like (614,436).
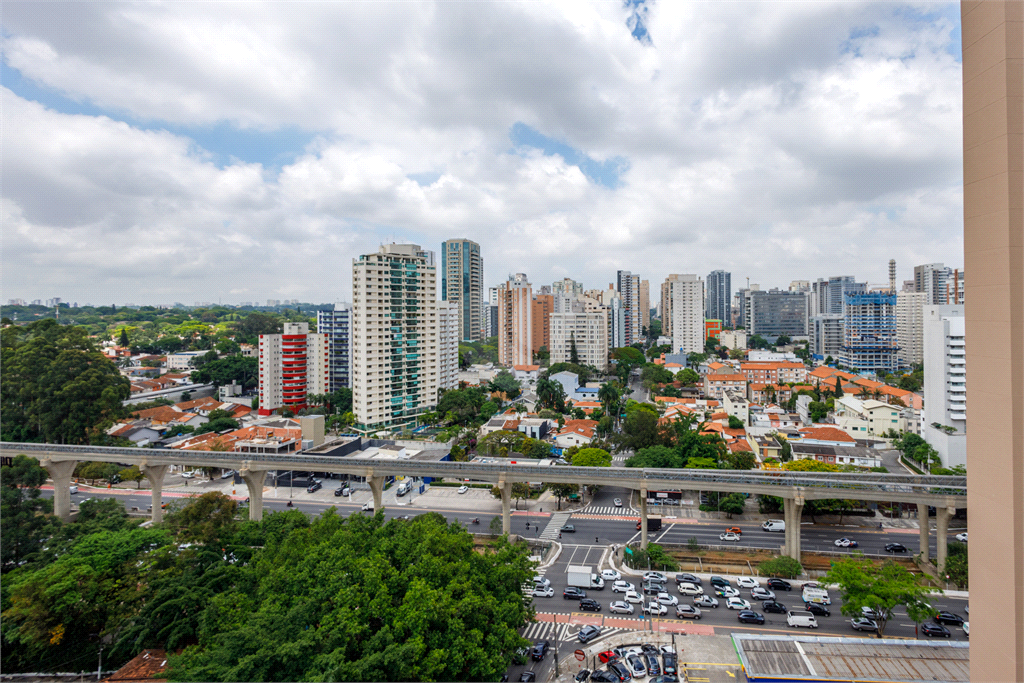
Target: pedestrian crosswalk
(556,522)
(542,630)
(606,510)
(546,630)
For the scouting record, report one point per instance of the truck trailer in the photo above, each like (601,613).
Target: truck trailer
(584,577)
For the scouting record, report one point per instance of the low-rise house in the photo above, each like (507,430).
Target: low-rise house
(836,455)
(764,447)
(588,406)
(736,405)
(167,416)
(526,373)
(827,435)
(576,433)
(869,417)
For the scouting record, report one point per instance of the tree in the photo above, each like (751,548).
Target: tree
(221,424)
(641,430)
(574,356)
(550,394)
(956,564)
(506,384)
(132,473)
(592,457)
(732,504)
(495,526)
(741,460)
(238,368)
(735,422)
(756,341)
(688,377)
(22,510)
(561,491)
(782,566)
(881,588)
(520,491)
(808,465)
(123,341)
(818,411)
(501,442)
(786,451)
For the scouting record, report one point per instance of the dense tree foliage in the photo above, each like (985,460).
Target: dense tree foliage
(237,368)
(22,510)
(882,588)
(592,457)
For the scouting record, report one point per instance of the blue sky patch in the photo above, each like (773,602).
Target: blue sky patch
(635,20)
(605,172)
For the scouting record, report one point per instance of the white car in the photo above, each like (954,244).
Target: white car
(368,506)
(188,475)
(747,582)
(543,592)
(737,603)
(610,575)
(655,576)
(541,581)
(762,594)
(845,543)
(463,489)
(961,537)
(727,592)
(690,589)
(619,607)
(655,609)
(728,536)
(633,597)
(72,490)
(617,502)
(666,599)
(623,587)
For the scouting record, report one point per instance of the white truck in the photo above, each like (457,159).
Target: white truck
(816,594)
(584,577)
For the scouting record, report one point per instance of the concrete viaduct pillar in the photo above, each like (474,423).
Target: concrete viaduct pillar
(506,508)
(61,473)
(377,489)
(793,509)
(922,522)
(643,519)
(254,481)
(155,475)
(942,516)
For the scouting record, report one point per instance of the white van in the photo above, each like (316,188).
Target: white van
(774,525)
(818,595)
(690,589)
(801,619)
(403,488)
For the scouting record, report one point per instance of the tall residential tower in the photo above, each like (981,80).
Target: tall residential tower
(462,283)
(719,299)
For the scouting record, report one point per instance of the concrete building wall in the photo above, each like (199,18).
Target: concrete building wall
(909,327)
(945,378)
(462,283)
(686,303)
(543,307)
(515,321)
(825,334)
(591,335)
(291,365)
(449,329)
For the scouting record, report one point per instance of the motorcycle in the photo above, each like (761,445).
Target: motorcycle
(476,520)
(290,504)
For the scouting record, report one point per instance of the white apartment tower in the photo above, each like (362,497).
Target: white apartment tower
(462,283)
(291,365)
(395,340)
(945,383)
(515,321)
(910,327)
(589,331)
(449,327)
(931,279)
(683,300)
(628,286)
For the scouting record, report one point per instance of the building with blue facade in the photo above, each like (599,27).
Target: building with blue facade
(337,325)
(869,333)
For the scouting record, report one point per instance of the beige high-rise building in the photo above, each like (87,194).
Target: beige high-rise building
(543,307)
(645,303)
(515,321)
(395,337)
(682,300)
(462,283)
(448,329)
(909,327)
(589,330)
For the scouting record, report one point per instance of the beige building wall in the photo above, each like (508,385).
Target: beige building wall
(993,111)
(910,326)
(645,303)
(591,334)
(515,321)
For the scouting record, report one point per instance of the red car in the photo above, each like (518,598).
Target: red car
(607,656)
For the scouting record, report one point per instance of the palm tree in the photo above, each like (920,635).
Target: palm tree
(550,393)
(609,395)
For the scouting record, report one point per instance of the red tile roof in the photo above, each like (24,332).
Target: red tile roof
(825,433)
(147,666)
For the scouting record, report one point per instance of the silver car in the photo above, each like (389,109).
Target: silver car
(706,601)
(619,607)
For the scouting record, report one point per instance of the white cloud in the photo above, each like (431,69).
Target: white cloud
(780,141)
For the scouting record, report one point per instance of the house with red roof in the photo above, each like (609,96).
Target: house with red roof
(576,433)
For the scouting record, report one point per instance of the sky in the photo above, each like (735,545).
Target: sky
(203,151)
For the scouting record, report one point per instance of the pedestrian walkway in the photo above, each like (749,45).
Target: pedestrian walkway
(556,522)
(604,510)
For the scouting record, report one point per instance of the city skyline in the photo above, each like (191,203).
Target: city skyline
(566,159)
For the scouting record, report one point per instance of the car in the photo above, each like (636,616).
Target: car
(655,576)
(633,597)
(734,530)
(607,656)
(543,592)
(747,616)
(817,610)
(967,629)
(949,618)
(747,582)
(687,612)
(620,670)
(726,592)
(583,675)
(864,624)
(188,475)
(779,585)
(935,630)
(617,502)
(340,491)
(690,589)
(669,663)
(72,490)
(521,656)
(706,601)
(228,474)
(762,594)
(527,677)
(773,607)
(620,607)
(541,580)
(720,581)
(540,648)
(652,588)
(647,648)
(737,603)
(590,605)
(611,575)
(728,537)
(314,487)
(368,506)
(962,537)
(666,599)
(868,613)
(689,578)
(604,677)
(568,528)
(622,587)
(895,548)
(588,633)
(664,678)
(574,593)
(637,666)
(774,525)
(463,489)
(653,665)
(845,543)
(655,609)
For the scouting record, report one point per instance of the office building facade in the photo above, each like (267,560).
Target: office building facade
(825,335)
(776,312)
(337,326)
(462,283)
(869,333)
(719,297)
(291,365)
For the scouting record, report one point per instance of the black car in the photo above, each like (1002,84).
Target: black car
(817,610)
(339,492)
(583,675)
(573,593)
(588,633)
(720,582)
(568,528)
(935,630)
(540,648)
(315,486)
(774,607)
(620,670)
(895,548)
(779,585)
(589,605)
(527,677)
(949,618)
(747,616)
(667,678)
(604,677)
(670,663)
(653,666)
(649,649)
(689,578)
(653,588)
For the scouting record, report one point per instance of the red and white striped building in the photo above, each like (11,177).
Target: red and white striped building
(292,365)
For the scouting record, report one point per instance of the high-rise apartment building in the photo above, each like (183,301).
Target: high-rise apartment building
(945,383)
(719,299)
(567,286)
(683,299)
(825,335)
(515,321)
(869,333)
(462,283)
(291,365)
(395,342)
(909,327)
(645,305)
(931,279)
(628,286)
(589,332)
(955,288)
(491,313)
(839,287)
(775,312)
(337,326)
(543,307)
(448,335)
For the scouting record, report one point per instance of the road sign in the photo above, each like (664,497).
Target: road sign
(580,655)
(628,551)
